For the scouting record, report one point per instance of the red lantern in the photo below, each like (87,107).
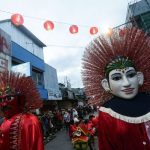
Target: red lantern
(17,19)
(48,25)
(93,30)
(73,29)
(122,32)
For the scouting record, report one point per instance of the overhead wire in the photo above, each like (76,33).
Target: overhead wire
(43,19)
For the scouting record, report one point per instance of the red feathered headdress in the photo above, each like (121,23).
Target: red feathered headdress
(134,45)
(16,84)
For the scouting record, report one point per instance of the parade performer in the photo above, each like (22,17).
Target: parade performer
(20,129)
(116,74)
(91,133)
(79,135)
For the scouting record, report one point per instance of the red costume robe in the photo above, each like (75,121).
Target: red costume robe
(125,124)
(21,132)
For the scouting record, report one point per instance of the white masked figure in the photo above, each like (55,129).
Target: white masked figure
(116,76)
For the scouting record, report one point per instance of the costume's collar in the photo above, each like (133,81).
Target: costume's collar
(135,110)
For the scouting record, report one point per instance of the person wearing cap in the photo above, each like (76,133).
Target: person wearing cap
(116,72)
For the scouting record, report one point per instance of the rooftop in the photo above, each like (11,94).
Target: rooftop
(28,33)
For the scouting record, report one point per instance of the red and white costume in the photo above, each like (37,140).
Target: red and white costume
(114,69)
(121,127)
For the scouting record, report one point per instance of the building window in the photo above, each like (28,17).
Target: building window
(37,76)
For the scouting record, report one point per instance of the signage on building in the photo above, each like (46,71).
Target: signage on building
(54,94)
(5,51)
(24,68)
(5,43)
(3,62)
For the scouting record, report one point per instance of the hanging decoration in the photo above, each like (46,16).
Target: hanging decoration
(48,25)
(122,32)
(93,30)
(17,19)
(73,29)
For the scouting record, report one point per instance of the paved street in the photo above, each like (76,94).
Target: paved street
(60,142)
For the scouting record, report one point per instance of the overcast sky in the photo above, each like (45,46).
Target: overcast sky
(64,50)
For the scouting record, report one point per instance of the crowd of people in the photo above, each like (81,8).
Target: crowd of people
(56,120)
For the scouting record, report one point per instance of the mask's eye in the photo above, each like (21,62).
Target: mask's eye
(116,76)
(131,74)
(9,98)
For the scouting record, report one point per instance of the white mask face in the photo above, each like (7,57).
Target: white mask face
(125,82)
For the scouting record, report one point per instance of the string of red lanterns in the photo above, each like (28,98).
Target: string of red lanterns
(17,20)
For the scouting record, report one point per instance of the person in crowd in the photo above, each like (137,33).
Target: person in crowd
(91,132)
(43,125)
(94,120)
(116,72)
(20,129)
(72,128)
(66,120)
(80,111)
(74,112)
(75,119)
(59,119)
(47,123)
